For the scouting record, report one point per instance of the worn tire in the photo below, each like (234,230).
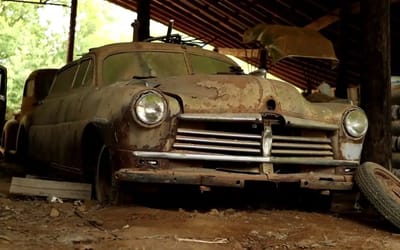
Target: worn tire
(382,190)
(108,190)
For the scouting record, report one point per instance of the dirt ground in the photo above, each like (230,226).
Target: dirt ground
(184,218)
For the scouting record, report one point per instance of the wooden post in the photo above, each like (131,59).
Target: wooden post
(143,11)
(375,85)
(342,81)
(72,24)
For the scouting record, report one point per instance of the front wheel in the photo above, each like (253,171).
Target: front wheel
(382,190)
(108,190)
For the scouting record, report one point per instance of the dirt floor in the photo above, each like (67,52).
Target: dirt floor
(184,218)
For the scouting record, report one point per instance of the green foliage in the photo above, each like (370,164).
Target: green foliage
(24,47)
(35,36)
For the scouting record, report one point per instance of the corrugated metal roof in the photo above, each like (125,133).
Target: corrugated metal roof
(222,23)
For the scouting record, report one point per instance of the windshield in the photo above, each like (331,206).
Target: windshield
(208,65)
(149,64)
(144,64)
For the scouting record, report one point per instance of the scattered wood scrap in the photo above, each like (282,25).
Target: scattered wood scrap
(61,189)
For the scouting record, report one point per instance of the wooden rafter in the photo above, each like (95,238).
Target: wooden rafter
(331,18)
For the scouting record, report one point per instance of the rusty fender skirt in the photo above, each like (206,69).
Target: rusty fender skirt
(211,177)
(233,158)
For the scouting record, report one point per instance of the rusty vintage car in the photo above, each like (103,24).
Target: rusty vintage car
(171,113)
(35,90)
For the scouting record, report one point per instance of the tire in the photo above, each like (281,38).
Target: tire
(108,190)
(382,190)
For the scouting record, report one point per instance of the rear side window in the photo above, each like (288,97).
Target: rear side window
(64,79)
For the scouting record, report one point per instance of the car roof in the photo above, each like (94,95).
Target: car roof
(108,49)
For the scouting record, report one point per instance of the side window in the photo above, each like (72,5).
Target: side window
(64,80)
(82,74)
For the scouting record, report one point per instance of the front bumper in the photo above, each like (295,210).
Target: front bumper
(231,149)
(234,158)
(213,177)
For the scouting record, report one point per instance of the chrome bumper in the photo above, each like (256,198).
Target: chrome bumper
(233,158)
(212,177)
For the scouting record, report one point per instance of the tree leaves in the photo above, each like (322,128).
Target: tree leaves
(31,37)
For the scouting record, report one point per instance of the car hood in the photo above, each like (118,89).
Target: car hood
(243,94)
(215,93)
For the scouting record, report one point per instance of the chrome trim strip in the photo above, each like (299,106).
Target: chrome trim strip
(267,141)
(301,145)
(253,117)
(216,148)
(216,133)
(233,158)
(223,117)
(182,138)
(305,123)
(301,139)
(294,152)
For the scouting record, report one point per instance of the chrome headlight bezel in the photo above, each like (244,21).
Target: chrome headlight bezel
(142,105)
(355,123)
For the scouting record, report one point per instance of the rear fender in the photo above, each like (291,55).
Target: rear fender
(9,136)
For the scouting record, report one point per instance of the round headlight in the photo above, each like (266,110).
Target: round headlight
(356,123)
(150,108)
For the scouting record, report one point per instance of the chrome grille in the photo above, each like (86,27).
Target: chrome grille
(226,138)
(217,141)
(301,146)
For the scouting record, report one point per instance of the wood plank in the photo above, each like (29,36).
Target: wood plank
(60,189)
(330,18)
(241,53)
(143,17)
(396,160)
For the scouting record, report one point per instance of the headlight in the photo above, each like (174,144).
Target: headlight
(150,108)
(356,123)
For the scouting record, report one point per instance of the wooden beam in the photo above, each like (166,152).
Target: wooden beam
(71,37)
(343,48)
(60,189)
(242,53)
(334,16)
(375,84)
(143,16)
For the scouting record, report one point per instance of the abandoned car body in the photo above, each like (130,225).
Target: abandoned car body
(36,88)
(168,113)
